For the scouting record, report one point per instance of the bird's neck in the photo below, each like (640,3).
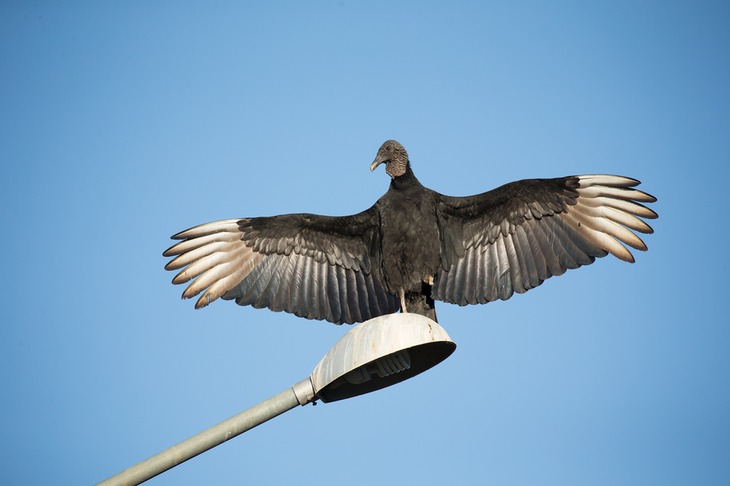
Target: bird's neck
(408,178)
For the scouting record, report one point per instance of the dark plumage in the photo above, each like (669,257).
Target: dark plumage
(413,246)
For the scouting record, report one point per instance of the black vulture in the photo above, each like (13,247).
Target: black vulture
(413,246)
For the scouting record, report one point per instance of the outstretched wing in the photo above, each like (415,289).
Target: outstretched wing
(317,267)
(513,238)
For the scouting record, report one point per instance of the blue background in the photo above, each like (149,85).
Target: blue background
(124,123)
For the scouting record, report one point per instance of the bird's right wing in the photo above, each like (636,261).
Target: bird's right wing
(514,237)
(317,267)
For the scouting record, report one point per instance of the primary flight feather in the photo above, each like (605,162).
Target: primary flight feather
(414,246)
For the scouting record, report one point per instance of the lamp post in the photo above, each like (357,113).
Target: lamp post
(373,355)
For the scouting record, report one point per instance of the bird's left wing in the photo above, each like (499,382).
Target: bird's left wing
(514,237)
(317,267)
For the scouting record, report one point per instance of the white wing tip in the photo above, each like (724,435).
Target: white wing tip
(226,225)
(213,256)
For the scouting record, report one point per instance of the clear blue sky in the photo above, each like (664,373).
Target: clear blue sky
(123,124)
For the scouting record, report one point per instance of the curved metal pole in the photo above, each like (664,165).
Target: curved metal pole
(300,394)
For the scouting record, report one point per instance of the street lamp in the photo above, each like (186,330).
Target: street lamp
(373,355)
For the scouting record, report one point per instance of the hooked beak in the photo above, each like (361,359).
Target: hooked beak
(378,160)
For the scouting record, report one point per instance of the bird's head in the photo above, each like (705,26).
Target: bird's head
(394,156)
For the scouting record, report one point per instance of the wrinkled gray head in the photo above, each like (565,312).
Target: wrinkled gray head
(394,156)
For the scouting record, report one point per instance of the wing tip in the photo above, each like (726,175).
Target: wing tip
(203,301)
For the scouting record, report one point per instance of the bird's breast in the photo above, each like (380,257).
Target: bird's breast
(410,242)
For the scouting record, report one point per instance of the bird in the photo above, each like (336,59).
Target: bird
(413,247)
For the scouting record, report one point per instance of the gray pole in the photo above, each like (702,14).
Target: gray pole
(395,346)
(216,435)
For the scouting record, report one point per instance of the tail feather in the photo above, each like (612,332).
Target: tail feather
(421,303)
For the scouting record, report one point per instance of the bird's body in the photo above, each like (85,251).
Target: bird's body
(413,246)
(410,242)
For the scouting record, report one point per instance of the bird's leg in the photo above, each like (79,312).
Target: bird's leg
(403,301)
